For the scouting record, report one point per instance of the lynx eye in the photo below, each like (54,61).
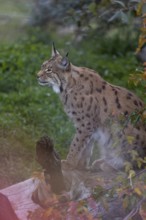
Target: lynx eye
(47,69)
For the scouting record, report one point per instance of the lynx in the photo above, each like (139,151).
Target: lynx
(100,112)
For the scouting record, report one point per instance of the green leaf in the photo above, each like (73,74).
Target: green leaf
(119,3)
(92,7)
(120,15)
(117,15)
(144,8)
(124,17)
(135,1)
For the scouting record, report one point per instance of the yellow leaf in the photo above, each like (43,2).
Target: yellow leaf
(130,139)
(128,166)
(125,202)
(39,175)
(131,174)
(49,212)
(144,75)
(139,164)
(139,9)
(144,114)
(134,153)
(137,191)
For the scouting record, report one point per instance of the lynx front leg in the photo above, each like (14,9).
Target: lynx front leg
(80,151)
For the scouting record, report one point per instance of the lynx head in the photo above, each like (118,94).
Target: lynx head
(54,71)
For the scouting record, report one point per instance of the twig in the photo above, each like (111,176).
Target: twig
(135,210)
(140,172)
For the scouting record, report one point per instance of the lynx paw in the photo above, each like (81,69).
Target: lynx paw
(101,165)
(66,165)
(96,165)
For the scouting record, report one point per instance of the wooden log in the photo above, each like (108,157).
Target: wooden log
(20,195)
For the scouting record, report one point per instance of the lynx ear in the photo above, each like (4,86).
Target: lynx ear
(54,51)
(65,61)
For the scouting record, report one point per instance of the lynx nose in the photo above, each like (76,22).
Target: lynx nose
(39,74)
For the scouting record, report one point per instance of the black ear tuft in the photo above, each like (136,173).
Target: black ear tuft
(54,51)
(67,54)
(53,46)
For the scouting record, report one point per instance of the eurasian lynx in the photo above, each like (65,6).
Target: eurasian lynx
(99,111)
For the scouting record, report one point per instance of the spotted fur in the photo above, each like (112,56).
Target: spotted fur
(99,111)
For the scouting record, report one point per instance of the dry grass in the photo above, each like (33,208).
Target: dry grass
(17,162)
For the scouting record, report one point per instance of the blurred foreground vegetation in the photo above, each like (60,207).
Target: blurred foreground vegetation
(29,111)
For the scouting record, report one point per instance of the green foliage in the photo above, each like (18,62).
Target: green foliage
(113,197)
(20,94)
(87,14)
